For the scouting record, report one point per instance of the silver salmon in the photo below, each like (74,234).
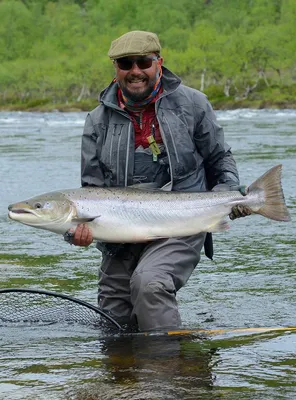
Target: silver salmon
(122,215)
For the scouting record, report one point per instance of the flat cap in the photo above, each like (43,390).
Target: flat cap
(135,43)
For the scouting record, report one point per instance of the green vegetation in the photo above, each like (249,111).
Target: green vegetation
(53,54)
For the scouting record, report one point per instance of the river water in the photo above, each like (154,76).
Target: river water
(250,283)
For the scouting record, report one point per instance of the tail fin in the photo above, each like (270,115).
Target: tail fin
(274,206)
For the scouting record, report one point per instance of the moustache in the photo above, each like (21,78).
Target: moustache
(131,78)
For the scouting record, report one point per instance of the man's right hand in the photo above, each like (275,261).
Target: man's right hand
(81,236)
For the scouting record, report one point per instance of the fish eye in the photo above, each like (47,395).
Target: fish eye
(38,205)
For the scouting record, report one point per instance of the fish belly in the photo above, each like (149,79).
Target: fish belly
(141,227)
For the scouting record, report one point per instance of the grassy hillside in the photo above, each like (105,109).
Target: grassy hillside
(53,54)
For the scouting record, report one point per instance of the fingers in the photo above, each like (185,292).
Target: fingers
(240,211)
(243,189)
(82,236)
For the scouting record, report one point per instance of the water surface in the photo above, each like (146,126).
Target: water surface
(251,282)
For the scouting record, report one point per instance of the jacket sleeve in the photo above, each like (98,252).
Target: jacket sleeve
(91,172)
(219,164)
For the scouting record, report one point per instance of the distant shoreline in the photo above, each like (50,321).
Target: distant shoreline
(89,105)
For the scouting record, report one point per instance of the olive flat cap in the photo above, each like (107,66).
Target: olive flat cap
(135,43)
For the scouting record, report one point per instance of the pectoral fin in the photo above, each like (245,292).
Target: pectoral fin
(149,238)
(84,220)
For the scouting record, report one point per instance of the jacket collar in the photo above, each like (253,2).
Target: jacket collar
(170,83)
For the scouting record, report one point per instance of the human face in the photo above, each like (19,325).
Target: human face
(136,83)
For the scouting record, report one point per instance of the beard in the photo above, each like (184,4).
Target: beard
(137,95)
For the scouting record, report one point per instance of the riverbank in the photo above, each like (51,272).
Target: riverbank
(76,107)
(271,98)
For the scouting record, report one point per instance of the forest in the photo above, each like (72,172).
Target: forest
(53,54)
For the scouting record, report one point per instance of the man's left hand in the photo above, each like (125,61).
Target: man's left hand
(239,210)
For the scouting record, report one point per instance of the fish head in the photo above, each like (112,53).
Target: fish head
(50,211)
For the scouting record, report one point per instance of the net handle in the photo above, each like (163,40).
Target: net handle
(66,297)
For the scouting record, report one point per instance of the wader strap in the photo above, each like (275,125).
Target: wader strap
(208,246)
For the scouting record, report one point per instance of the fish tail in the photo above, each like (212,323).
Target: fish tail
(274,204)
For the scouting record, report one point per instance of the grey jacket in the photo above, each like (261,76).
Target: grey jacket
(198,156)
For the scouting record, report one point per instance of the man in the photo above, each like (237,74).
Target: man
(151,128)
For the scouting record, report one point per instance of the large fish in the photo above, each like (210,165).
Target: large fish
(134,215)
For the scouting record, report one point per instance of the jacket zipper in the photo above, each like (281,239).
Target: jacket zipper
(127,153)
(168,153)
(172,137)
(118,156)
(111,144)
(164,140)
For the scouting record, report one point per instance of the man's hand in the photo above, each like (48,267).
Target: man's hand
(81,236)
(239,210)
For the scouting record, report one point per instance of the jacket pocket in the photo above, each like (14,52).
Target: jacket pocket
(180,145)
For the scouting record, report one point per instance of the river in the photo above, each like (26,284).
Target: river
(250,283)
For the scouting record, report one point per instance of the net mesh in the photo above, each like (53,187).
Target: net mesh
(44,308)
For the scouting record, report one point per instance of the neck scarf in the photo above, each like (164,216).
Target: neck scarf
(138,106)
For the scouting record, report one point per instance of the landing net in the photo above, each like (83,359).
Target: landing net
(29,306)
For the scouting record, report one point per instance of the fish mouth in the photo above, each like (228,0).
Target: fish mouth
(20,211)
(17,213)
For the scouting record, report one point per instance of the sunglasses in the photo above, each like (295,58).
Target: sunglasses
(144,62)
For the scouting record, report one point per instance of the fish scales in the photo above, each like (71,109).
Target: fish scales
(134,215)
